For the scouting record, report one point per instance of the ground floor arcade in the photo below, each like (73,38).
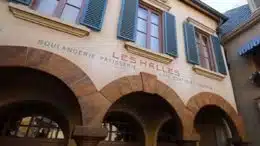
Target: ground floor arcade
(47,100)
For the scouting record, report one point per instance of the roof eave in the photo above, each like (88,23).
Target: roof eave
(207,10)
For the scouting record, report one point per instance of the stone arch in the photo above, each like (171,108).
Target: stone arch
(148,83)
(133,114)
(74,77)
(203,99)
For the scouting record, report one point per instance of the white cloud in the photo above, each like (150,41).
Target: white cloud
(224,5)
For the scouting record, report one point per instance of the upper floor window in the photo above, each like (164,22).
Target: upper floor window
(85,12)
(203,49)
(206,55)
(148,33)
(148,27)
(67,10)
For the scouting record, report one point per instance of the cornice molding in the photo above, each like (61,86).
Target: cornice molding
(160,4)
(208,73)
(201,25)
(137,50)
(25,13)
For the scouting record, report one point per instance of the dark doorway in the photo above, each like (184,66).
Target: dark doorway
(123,129)
(36,108)
(169,133)
(214,126)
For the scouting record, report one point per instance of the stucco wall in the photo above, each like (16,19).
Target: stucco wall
(99,63)
(245,92)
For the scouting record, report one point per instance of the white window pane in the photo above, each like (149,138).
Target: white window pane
(141,25)
(46,7)
(70,14)
(141,39)
(76,3)
(155,30)
(114,128)
(155,44)
(155,19)
(26,121)
(21,131)
(142,13)
(60,135)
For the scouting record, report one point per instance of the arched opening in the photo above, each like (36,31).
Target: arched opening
(122,128)
(36,108)
(214,127)
(170,133)
(148,111)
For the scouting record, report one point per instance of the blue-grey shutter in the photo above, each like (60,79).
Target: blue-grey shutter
(170,39)
(190,44)
(127,20)
(93,14)
(25,2)
(221,67)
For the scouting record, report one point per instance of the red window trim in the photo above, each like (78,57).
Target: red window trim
(60,7)
(158,12)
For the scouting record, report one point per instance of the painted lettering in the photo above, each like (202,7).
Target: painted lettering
(114,56)
(151,65)
(158,68)
(124,57)
(132,59)
(143,63)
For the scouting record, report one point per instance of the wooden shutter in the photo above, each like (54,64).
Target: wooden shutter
(25,2)
(221,67)
(93,14)
(190,44)
(170,39)
(127,20)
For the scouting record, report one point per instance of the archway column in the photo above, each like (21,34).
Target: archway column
(88,136)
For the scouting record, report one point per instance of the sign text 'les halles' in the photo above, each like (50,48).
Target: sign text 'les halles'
(117,56)
(145,63)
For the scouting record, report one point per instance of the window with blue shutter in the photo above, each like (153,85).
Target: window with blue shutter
(203,49)
(190,44)
(25,2)
(221,67)
(93,14)
(142,24)
(127,20)
(70,10)
(170,39)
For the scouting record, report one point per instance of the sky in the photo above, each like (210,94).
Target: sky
(224,5)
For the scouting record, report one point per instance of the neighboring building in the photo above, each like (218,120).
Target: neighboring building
(114,72)
(241,40)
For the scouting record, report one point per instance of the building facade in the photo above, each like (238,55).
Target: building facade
(115,72)
(240,37)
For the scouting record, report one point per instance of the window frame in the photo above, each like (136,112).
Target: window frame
(60,8)
(30,125)
(152,10)
(210,49)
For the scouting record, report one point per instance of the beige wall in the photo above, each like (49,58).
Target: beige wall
(17,32)
(245,91)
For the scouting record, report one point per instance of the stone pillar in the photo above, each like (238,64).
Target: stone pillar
(89,136)
(187,143)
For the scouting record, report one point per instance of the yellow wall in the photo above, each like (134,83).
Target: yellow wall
(17,32)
